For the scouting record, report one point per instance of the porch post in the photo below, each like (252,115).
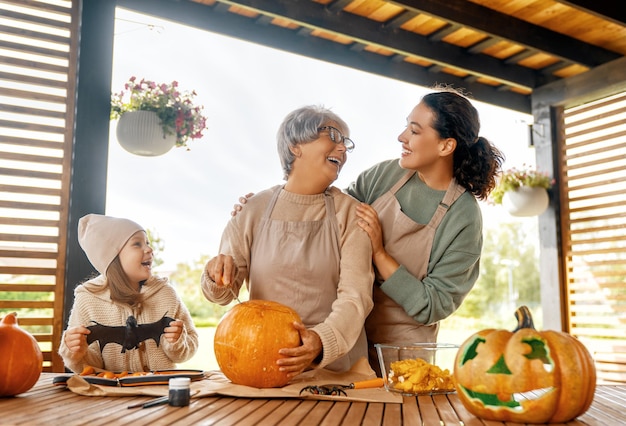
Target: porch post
(91,136)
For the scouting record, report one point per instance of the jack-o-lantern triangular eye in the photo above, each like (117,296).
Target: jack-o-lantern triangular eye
(538,350)
(500,367)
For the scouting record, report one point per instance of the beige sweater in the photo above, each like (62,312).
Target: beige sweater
(160,299)
(352,301)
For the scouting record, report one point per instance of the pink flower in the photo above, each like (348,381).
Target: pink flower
(175,108)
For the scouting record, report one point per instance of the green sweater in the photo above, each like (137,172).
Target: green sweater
(453,264)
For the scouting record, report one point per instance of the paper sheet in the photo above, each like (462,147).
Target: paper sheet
(215,383)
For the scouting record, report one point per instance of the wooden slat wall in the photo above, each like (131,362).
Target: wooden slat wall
(37,79)
(594,214)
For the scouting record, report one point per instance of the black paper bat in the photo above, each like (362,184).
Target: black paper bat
(129,335)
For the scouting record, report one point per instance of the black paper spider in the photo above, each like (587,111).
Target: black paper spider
(324,390)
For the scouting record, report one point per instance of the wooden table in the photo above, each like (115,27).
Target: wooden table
(52,405)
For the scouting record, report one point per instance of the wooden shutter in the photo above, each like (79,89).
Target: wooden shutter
(37,90)
(594,220)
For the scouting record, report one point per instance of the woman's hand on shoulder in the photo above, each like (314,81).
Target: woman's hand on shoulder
(242,201)
(369,222)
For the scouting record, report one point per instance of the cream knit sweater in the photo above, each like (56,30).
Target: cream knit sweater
(160,299)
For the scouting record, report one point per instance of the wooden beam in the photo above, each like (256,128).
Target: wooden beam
(507,27)
(229,24)
(91,140)
(613,11)
(602,81)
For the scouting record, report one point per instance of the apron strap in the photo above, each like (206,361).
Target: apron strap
(270,206)
(404,179)
(331,216)
(453,192)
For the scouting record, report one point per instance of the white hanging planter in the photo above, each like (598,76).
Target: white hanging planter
(140,133)
(526,201)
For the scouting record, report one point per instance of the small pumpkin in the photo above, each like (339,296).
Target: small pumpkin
(248,338)
(21,360)
(525,376)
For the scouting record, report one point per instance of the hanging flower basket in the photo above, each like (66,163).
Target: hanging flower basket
(522,192)
(140,133)
(159,105)
(526,201)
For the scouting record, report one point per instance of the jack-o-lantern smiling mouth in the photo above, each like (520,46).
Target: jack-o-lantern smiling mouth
(514,402)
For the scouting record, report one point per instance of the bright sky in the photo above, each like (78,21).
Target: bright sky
(186,196)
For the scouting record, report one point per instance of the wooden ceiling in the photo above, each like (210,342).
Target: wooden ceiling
(498,51)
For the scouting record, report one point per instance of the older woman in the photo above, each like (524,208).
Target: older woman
(299,244)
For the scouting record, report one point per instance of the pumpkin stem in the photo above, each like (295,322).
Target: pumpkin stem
(10,319)
(524,318)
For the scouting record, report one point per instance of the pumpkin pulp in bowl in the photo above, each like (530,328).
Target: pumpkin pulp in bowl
(417,368)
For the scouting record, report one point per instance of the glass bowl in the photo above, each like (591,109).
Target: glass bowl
(417,368)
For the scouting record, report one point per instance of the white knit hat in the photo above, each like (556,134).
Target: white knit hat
(102,238)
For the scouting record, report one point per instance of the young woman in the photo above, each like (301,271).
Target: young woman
(123,299)
(423,220)
(299,244)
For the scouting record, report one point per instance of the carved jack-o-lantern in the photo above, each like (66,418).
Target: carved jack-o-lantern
(526,376)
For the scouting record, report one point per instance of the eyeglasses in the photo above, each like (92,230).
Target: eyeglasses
(337,137)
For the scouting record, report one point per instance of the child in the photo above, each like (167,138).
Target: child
(111,312)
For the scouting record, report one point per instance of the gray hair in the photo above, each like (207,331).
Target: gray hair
(300,127)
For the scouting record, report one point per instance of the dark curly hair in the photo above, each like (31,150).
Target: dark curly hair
(477,162)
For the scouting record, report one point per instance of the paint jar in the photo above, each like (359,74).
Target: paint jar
(179,391)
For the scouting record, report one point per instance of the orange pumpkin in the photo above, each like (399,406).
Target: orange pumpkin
(525,376)
(21,360)
(247,341)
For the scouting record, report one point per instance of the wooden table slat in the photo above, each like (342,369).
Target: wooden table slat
(373,414)
(291,416)
(335,415)
(410,412)
(115,414)
(243,409)
(356,413)
(446,410)
(266,410)
(321,410)
(392,415)
(464,415)
(427,409)
(611,393)
(202,408)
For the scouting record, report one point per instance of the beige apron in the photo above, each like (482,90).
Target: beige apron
(297,264)
(410,244)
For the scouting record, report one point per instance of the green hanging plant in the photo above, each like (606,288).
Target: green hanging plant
(178,115)
(514,178)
